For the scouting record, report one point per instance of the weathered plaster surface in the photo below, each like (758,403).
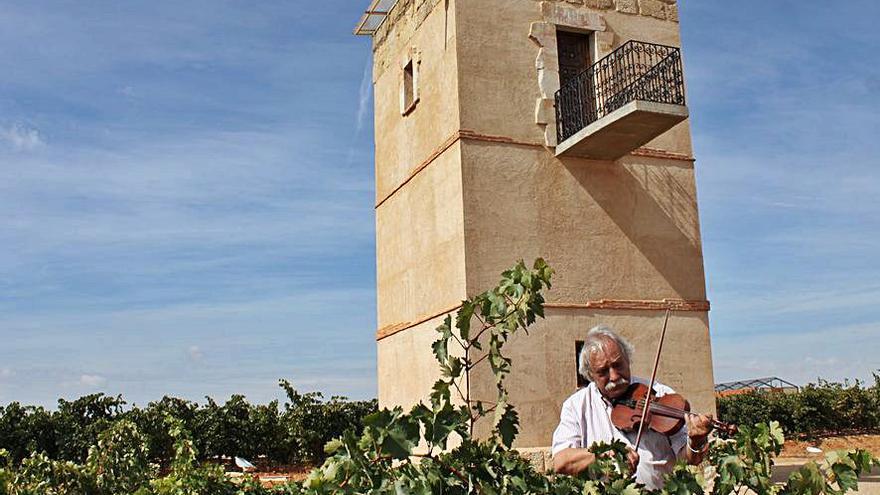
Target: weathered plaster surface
(613,230)
(420,238)
(420,245)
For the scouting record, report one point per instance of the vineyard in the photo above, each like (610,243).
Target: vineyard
(276,434)
(823,408)
(96,446)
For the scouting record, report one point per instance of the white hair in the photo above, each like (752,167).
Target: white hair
(596,337)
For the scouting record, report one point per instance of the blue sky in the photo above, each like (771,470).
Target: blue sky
(187,192)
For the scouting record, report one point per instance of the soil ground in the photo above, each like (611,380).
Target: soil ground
(278,476)
(795,448)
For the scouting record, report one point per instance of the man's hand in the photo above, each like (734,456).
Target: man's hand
(698,426)
(632,458)
(572,461)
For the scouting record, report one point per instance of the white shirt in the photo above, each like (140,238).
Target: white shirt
(586,419)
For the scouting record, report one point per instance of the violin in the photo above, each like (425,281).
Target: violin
(665,415)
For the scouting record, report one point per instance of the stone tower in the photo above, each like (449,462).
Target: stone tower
(513,129)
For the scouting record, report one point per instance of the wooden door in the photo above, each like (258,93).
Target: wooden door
(574,55)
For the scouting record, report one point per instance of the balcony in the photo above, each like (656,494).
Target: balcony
(621,102)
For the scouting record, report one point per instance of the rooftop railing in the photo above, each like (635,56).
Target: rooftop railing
(635,71)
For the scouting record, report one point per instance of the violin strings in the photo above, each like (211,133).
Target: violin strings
(680,413)
(660,407)
(667,409)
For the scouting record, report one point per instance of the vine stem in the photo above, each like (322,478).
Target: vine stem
(458,340)
(487,326)
(478,361)
(467,352)
(451,469)
(458,389)
(467,387)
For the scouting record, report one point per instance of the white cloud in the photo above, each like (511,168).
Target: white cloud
(92,381)
(127,91)
(6,373)
(195,353)
(364,94)
(22,138)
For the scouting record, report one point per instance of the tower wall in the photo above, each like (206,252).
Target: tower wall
(420,249)
(419,219)
(469,182)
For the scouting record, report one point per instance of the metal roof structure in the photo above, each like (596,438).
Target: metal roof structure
(374,16)
(772,382)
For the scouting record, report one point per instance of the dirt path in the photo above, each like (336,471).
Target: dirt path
(795,455)
(797,449)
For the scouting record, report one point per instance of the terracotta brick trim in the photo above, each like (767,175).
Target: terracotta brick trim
(448,143)
(637,305)
(475,136)
(601,304)
(390,330)
(666,155)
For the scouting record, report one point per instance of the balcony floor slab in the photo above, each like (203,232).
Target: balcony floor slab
(623,130)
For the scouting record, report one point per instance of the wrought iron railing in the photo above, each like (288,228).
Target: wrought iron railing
(634,71)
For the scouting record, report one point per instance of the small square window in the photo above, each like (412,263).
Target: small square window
(409,91)
(581,381)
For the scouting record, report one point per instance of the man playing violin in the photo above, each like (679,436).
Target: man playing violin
(586,417)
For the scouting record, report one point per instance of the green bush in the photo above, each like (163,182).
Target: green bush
(821,408)
(120,463)
(294,432)
(152,422)
(310,422)
(26,429)
(78,424)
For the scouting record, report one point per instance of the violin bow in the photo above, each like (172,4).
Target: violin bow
(649,398)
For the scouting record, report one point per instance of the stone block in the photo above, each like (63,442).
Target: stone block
(537,457)
(543,33)
(600,4)
(564,15)
(653,8)
(548,82)
(545,111)
(628,6)
(672,12)
(550,138)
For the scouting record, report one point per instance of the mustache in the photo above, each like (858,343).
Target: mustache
(611,386)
